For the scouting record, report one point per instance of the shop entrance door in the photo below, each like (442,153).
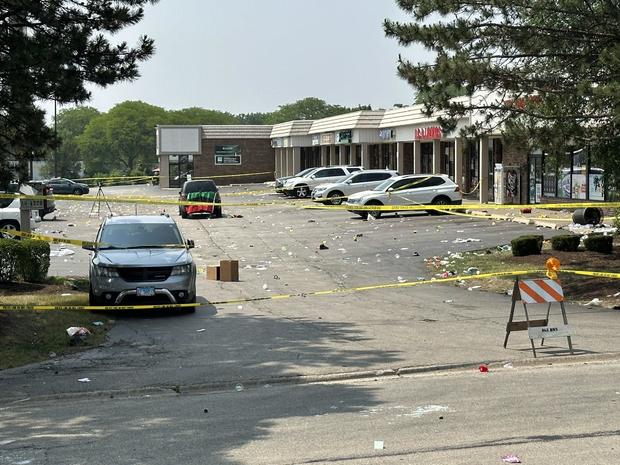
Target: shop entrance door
(535,178)
(180,166)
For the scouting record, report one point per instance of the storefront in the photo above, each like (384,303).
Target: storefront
(220,152)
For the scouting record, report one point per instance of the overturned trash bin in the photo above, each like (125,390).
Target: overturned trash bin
(590,215)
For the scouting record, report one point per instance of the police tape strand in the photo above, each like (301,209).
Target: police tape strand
(102,178)
(307,294)
(50,239)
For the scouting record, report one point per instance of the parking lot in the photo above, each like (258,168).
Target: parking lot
(277,246)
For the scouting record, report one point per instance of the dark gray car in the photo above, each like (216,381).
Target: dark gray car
(66,186)
(141,260)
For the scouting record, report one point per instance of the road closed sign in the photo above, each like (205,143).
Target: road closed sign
(544,332)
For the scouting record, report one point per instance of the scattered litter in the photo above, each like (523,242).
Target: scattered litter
(594,303)
(459,240)
(449,301)
(473,288)
(62,252)
(239,387)
(77,331)
(239,307)
(396,256)
(508,366)
(401,279)
(357,236)
(236,216)
(6,442)
(65,295)
(265,287)
(311,221)
(416,254)
(71,225)
(276,277)
(323,246)
(98,323)
(511,459)
(504,248)
(200,330)
(483,368)
(84,380)
(52,355)
(379,444)
(472,270)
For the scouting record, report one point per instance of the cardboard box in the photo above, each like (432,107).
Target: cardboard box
(213,272)
(229,270)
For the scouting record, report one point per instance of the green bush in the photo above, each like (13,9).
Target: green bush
(33,260)
(599,243)
(8,259)
(526,245)
(566,243)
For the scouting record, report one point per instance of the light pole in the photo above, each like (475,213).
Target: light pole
(55,137)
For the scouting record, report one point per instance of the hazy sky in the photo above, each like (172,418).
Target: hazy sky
(246,56)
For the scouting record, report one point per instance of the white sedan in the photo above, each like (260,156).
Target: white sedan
(411,189)
(336,192)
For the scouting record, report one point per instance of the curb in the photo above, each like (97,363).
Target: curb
(230,385)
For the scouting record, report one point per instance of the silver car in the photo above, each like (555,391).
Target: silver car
(141,260)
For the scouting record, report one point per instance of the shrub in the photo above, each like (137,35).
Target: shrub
(566,243)
(8,259)
(33,260)
(599,243)
(526,245)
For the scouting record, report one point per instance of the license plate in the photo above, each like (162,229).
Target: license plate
(145,291)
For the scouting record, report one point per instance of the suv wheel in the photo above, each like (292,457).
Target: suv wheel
(302,192)
(183,213)
(442,200)
(376,214)
(335,198)
(11,226)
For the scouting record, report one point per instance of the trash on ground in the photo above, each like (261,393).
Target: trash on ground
(449,301)
(62,252)
(483,368)
(459,240)
(508,365)
(201,330)
(472,270)
(323,246)
(426,409)
(239,387)
(77,331)
(401,279)
(84,380)
(379,445)
(511,459)
(65,295)
(596,302)
(98,323)
(473,288)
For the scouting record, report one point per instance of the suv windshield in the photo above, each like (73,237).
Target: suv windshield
(140,235)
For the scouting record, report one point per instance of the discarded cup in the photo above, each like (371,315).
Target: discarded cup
(511,459)
(379,445)
(239,387)
(483,368)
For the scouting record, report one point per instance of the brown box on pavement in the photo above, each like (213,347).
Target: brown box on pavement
(229,270)
(213,272)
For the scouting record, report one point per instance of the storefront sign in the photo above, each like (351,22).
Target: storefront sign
(386,134)
(316,139)
(327,139)
(227,155)
(428,133)
(344,137)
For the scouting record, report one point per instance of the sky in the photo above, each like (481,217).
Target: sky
(245,56)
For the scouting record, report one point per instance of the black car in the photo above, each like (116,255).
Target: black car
(66,186)
(206,187)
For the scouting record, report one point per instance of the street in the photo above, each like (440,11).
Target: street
(150,384)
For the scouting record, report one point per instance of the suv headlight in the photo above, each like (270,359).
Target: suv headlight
(319,190)
(350,200)
(181,270)
(105,272)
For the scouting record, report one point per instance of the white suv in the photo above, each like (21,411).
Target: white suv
(411,189)
(10,217)
(301,187)
(335,193)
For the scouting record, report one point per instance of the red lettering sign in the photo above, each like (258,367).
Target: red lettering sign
(428,133)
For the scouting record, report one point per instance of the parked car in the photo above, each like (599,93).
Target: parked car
(280,181)
(302,186)
(66,186)
(411,189)
(207,187)
(10,217)
(337,192)
(141,260)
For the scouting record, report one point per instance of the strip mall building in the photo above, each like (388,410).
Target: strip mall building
(404,139)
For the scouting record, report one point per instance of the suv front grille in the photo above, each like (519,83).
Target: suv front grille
(154,274)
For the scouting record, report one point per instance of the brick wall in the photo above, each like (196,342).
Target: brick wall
(257,156)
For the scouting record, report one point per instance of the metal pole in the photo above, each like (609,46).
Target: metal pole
(55,136)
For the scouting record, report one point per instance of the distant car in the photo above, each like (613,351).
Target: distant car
(280,181)
(337,192)
(10,217)
(411,189)
(200,186)
(141,260)
(302,186)
(66,186)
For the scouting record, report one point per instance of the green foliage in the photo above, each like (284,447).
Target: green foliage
(200,116)
(54,50)
(565,242)
(71,123)
(599,243)
(306,109)
(253,118)
(549,68)
(33,260)
(526,245)
(8,260)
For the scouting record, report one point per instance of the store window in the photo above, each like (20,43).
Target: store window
(180,167)
(447,159)
(426,157)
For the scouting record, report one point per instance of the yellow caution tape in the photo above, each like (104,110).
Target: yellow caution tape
(424,207)
(50,239)
(232,175)
(500,217)
(308,294)
(102,178)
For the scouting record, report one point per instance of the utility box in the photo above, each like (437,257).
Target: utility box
(507,188)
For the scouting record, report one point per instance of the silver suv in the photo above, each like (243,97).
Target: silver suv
(141,260)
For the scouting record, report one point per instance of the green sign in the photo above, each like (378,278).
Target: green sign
(227,155)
